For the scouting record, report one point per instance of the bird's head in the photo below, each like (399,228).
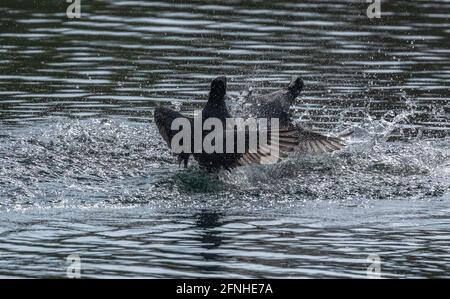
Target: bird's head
(218,88)
(296,86)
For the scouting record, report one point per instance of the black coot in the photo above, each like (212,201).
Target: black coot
(216,108)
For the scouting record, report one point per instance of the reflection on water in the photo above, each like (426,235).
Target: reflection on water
(83,169)
(314,239)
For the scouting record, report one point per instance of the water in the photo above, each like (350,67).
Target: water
(84,171)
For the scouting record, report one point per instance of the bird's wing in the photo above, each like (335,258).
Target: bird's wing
(316,143)
(163,119)
(273,150)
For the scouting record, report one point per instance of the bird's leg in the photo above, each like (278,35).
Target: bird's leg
(183,158)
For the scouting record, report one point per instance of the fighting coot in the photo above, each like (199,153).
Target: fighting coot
(277,105)
(216,108)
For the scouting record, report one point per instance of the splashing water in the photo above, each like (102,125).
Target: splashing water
(370,167)
(99,162)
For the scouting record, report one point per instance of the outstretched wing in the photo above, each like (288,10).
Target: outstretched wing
(273,150)
(316,143)
(163,119)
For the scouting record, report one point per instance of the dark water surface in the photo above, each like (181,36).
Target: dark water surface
(84,171)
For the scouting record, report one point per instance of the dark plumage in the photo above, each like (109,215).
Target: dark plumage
(216,108)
